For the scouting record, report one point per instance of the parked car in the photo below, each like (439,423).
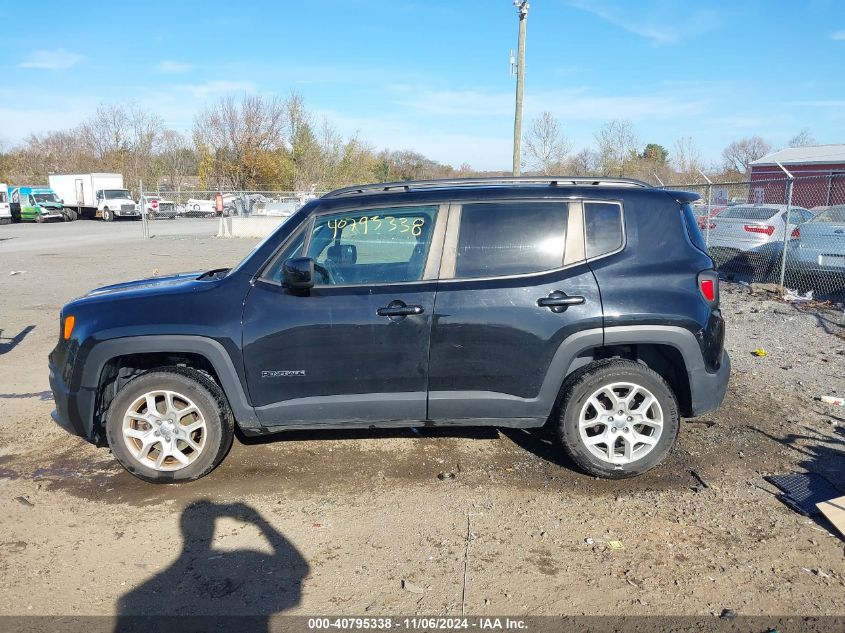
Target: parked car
(589,304)
(819,246)
(283,207)
(157,208)
(195,207)
(751,236)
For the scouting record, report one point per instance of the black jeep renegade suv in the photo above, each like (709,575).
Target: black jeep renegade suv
(587,304)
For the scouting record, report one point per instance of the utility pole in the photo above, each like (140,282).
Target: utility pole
(522,10)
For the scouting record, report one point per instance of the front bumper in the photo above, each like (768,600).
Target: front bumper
(74,410)
(707,390)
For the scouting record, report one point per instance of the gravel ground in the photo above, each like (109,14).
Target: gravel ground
(360,522)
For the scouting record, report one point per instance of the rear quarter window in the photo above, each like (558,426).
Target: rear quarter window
(603,227)
(692,228)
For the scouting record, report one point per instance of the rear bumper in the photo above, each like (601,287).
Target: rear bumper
(707,390)
(74,410)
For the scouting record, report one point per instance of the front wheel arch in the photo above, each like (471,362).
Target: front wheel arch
(113,362)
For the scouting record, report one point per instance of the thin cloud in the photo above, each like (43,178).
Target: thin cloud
(57,59)
(838,36)
(168,66)
(577,103)
(218,87)
(663,24)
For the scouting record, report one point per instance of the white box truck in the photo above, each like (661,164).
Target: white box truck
(95,195)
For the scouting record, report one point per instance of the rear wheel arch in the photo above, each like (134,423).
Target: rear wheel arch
(664,359)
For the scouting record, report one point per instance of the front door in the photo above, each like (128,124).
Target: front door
(353,349)
(515,286)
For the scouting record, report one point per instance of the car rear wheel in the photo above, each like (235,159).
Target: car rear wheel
(170,425)
(618,419)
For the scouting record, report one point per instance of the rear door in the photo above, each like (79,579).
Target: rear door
(514,286)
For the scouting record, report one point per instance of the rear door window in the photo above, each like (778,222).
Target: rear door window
(603,227)
(510,238)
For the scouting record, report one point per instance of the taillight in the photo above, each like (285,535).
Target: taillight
(752,228)
(796,233)
(708,285)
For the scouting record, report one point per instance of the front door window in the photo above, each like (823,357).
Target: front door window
(373,246)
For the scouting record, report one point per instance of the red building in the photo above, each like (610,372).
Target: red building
(819,173)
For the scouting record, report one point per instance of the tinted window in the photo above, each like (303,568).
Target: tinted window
(693,229)
(373,246)
(603,227)
(510,238)
(748,213)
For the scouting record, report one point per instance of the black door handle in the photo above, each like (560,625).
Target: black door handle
(558,301)
(399,310)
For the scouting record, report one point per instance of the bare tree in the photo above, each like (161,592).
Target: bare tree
(617,147)
(235,136)
(802,139)
(686,159)
(545,146)
(584,163)
(177,157)
(740,154)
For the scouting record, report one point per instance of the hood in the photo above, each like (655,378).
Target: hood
(181,280)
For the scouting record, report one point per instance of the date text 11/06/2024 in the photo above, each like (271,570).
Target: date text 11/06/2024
(444,624)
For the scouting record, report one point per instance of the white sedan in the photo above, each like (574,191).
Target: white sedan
(197,207)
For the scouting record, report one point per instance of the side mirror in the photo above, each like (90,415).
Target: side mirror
(298,273)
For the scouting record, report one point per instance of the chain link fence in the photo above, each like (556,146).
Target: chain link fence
(788,231)
(196,212)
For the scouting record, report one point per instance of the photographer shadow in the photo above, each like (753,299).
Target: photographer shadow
(207,589)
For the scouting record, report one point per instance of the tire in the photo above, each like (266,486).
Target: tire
(39,219)
(624,462)
(158,463)
(108,216)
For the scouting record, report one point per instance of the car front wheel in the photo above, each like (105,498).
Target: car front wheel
(618,419)
(170,425)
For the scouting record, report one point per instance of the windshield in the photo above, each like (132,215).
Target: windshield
(115,194)
(45,197)
(834,215)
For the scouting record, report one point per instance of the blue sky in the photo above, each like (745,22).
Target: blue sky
(433,75)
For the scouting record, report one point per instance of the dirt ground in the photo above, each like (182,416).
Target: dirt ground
(360,522)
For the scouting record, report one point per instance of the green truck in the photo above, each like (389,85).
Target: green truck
(37,204)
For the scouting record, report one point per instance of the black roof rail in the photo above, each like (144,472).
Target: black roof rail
(553,181)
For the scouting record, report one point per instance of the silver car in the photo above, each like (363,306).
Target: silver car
(748,227)
(820,246)
(751,236)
